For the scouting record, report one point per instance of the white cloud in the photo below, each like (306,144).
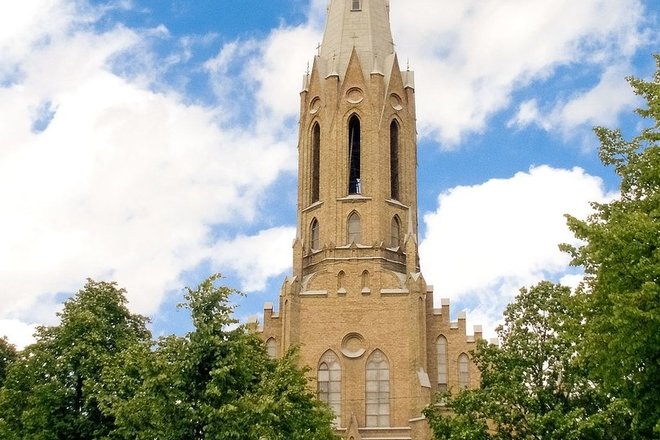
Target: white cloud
(271,69)
(256,258)
(101,176)
(471,55)
(118,182)
(17,332)
(486,241)
(600,105)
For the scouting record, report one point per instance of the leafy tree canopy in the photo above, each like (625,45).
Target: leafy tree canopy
(621,258)
(583,365)
(531,387)
(99,375)
(7,356)
(216,382)
(49,391)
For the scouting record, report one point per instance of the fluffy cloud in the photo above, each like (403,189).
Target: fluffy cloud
(101,176)
(17,332)
(471,55)
(484,242)
(600,105)
(261,256)
(272,70)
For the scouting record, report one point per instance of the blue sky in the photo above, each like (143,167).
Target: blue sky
(153,142)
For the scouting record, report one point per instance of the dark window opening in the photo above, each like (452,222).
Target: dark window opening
(354,184)
(316,162)
(395,232)
(394,160)
(356,5)
(315,238)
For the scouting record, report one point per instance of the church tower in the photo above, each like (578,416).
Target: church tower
(356,303)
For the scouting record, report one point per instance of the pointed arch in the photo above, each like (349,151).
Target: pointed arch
(395,232)
(316,163)
(329,383)
(365,281)
(354,135)
(463,371)
(353,228)
(394,160)
(341,280)
(314,235)
(271,348)
(378,390)
(442,361)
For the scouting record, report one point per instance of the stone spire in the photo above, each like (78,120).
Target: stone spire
(360,25)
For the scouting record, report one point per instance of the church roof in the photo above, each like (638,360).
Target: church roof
(363,25)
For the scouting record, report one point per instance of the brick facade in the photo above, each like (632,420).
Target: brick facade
(364,301)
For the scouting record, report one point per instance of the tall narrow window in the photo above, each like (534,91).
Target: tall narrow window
(366,282)
(463,371)
(329,383)
(316,162)
(378,390)
(354,229)
(271,348)
(340,280)
(354,184)
(356,5)
(394,160)
(395,232)
(315,241)
(443,379)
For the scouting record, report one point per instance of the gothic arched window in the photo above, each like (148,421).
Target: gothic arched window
(365,282)
(271,348)
(354,230)
(329,383)
(443,376)
(354,184)
(463,371)
(395,232)
(378,390)
(340,280)
(315,241)
(316,163)
(394,160)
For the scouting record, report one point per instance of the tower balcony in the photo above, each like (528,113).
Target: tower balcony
(393,259)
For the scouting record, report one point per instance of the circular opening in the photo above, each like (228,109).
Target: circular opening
(315,105)
(354,95)
(395,101)
(353,345)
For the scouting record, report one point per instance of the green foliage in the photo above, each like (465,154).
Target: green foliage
(587,365)
(216,382)
(531,386)
(7,356)
(98,375)
(621,258)
(49,391)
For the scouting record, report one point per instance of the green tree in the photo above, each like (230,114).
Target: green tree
(531,386)
(621,259)
(216,382)
(50,391)
(7,356)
